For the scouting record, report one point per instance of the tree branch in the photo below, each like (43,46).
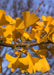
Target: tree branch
(24,44)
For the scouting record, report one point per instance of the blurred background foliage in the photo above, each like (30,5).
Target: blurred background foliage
(15,8)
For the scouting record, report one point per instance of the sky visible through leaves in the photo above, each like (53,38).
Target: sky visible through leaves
(10,3)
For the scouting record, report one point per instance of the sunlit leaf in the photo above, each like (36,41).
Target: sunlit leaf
(29,19)
(42,65)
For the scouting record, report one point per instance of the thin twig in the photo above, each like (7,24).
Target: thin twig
(39,6)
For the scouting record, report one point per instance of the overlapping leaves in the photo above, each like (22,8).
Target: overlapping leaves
(41,31)
(28,64)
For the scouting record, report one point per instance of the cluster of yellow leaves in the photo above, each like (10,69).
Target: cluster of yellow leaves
(28,64)
(17,27)
(49,27)
(14,29)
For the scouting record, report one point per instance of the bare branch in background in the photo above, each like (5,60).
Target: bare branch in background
(39,6)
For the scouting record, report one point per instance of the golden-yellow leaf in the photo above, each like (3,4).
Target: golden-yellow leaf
(29,19)
(20,23)
(15,63)
(10,19)
(42,65)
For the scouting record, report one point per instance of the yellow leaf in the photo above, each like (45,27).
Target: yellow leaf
(10,19)
(10,58)
(42,53)
(8,33)
(2,12)
(19,23)
(42,65)
(29,60)
(8,40)
(29,19)
(53,37)
(38,26)
(15,63)
(16,34)
(25,34)
(36,31)
(47,22)
(52,22)
(2,31)
(3,21)
(9,29)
